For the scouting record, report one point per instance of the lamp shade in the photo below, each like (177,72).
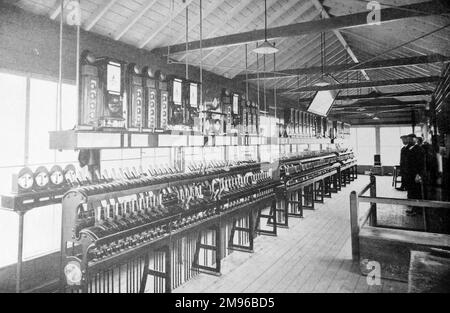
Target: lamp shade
(265,48)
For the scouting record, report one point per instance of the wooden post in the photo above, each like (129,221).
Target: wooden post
(373,205)
(354,225)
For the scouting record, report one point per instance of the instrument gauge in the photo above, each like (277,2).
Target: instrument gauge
(70,175)
(25,179)
(56,176)
(41,178)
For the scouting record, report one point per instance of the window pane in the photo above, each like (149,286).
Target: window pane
(365,141)
(12,119)
(42,119)
(42,231)
(9,226)
(390,144)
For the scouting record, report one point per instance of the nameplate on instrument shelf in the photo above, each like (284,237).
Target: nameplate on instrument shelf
(196,141)
(172,140)
(98,140)
(139,140)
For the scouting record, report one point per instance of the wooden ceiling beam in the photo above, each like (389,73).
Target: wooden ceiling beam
(435,7)
(305,7)
(379,64)
(369,105)
(378,95)
(210,31)
(270,20)
(341,38)
(366,84)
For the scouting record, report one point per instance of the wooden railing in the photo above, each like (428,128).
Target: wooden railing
(370,216)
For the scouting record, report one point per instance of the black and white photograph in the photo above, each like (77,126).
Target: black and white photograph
(229,153)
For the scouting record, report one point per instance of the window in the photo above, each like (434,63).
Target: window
(363,141)
(42,225)
(390,145)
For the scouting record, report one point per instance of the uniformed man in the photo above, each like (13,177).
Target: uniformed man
(406,145)
(414,172)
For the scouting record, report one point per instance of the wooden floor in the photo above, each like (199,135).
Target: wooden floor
(312,255)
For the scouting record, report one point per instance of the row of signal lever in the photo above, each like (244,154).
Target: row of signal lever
(117,224)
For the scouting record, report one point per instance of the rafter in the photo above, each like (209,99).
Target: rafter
(210,9)
(98,13)
(153,33)
(270,19)
(379,64)
(340,22)
(54,12)
(219,26)
(366,84)
(375,95)
(341,38)
(133,19)
(305,8)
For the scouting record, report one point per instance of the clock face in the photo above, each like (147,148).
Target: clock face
(69,173)
(57,178)
(25,181)
(56,175)
(41,179)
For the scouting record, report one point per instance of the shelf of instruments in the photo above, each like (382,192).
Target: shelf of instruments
(25,201)
(77,139)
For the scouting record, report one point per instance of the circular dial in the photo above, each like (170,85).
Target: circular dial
(25,181)
(56,175)
(69,173)
(41,179)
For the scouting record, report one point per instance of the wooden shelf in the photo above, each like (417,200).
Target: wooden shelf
(90,139)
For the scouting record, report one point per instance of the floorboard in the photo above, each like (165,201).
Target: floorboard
(312,255)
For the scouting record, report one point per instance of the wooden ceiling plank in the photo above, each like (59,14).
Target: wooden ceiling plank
(209,10)
(379,64)
(271,19)
(133,19)
(341,38)
(212,31)
(340,22)
(54,12)
(153,33)
(98,13)
(242,26)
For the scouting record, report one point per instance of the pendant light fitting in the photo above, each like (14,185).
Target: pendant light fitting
(266,47)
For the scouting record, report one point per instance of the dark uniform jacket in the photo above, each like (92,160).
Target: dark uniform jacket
(414,165)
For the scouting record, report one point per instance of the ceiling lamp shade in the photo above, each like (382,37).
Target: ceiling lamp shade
(265,48)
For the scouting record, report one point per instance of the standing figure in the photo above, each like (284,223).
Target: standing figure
(404,149)
(414,172)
